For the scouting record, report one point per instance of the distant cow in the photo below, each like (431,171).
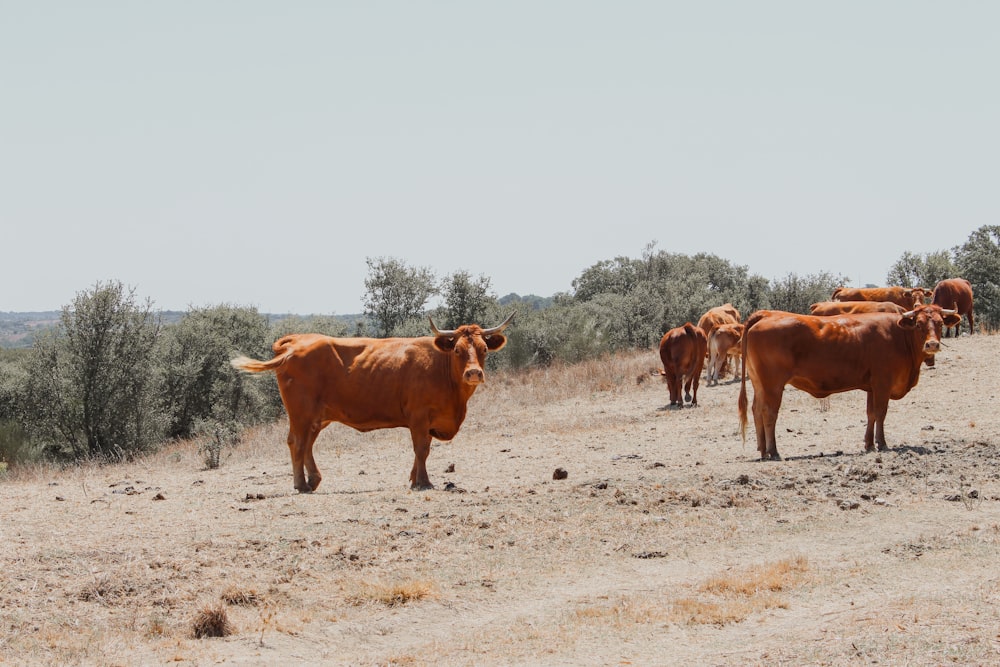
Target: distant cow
(955,293)
(852,307)
(907,297)
(422,384)
(682,351)
(723,344)
(879,353)
(725,314)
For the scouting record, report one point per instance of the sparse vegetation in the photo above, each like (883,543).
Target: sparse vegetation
(666,538)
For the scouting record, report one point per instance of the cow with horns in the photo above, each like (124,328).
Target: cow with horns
(878,353)
(422,384)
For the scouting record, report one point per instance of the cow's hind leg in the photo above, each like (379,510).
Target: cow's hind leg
(300,445)
(419,480)
(765,417)
(674,387)
(691,388)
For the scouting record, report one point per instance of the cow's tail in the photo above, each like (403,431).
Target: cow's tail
(282,351)
(752,320)
(254,366)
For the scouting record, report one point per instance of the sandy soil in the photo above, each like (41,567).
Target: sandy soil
(666,543)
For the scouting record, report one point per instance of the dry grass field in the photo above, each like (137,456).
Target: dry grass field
(666,543)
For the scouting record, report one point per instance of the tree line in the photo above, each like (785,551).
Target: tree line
(113,381)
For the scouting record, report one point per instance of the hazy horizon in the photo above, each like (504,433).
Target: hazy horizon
(256,154)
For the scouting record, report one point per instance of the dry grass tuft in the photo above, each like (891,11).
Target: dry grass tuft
(392,595)
(243,597)
(211,621)
(623,613)
(738,595)
(700,612)
(614,373)
(775,577)
(106,589)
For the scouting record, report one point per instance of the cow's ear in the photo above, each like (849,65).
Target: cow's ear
(495,342)
(952,319)
(444,343)
(908,321)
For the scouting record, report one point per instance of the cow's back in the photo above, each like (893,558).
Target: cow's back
(714,317)
(851,307)
(826,355)
(366,383)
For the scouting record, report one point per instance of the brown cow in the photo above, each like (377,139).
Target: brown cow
(828,308)
(907,297)
(724,314)
(854,307)
(682,351)
(879,353)
(422,384)
(955,293)
(723,344)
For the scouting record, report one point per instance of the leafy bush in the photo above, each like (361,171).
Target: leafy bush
(89,390)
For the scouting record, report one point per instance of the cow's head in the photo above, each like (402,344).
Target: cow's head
(469,345)
(928,321)
(919,295)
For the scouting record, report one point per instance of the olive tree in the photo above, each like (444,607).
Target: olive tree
(198,385)
(90,390)
(978,261)
(466,300)
(395,293)
(913,270)
(795,293)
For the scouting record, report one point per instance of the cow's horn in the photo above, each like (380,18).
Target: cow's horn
(500,327)
(486,332)
(909,314)
(437,333)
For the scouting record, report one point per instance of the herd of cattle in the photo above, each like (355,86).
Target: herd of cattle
(873,339)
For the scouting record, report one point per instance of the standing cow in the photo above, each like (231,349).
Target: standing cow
(955,293)
(717,316)
(723,345)
(713,317)
(422,384)
(682,351)
(878,353)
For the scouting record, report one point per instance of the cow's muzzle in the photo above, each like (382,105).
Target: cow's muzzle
(475,376)
(932,347)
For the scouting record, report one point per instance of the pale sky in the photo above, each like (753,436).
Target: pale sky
(255,153)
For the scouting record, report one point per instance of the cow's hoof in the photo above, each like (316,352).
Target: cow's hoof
(304,489)
(424,486)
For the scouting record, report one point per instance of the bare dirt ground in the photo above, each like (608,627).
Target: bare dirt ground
(666,543)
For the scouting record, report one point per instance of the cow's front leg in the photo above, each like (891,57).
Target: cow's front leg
(878,407)
(419,481)
(875,430)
